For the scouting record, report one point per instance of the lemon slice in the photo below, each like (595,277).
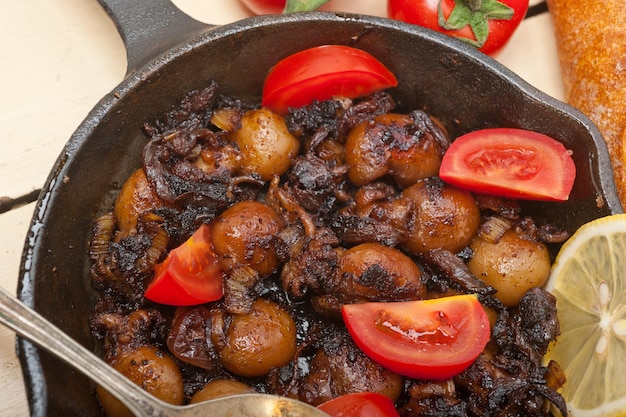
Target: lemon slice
(588,280)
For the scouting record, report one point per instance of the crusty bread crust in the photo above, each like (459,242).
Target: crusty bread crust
(591,43)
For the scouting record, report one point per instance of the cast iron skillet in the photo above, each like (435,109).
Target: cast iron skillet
(171,54)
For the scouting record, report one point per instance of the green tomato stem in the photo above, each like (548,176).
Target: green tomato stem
(476,14)
(292,6)
(474,5)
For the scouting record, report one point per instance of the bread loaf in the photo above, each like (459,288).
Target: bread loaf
(591,43)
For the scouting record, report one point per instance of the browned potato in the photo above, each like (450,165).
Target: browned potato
(267,148)
(512,265)
(244,235)
(149,368)
(220,388)
(212,161)
(445,217)
(390,144)
(260,340)
(345,369)
(135,198)
(379,272)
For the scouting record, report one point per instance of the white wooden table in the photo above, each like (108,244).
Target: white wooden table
(59,57)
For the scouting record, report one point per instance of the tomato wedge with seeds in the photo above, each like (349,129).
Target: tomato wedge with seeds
(512,163)
(427,339)
(321,73)
(190,274)
(361,404)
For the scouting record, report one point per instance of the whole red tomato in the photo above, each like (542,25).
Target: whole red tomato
(265,6)
(486,24)
(278,6)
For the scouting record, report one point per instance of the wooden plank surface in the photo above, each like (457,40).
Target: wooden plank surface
(59,57)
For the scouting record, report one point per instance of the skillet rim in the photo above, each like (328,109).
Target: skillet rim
(29,355)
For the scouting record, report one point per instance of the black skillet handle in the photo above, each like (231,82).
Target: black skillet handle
(150,28)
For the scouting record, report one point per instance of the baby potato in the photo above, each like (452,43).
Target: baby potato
(366,153)
(244,235)
(220,388)
(512,265)
(390,144)
(260,340)
(135,198)
(445,217)
(212,161)
(267,148)
(380,272)
(149,368)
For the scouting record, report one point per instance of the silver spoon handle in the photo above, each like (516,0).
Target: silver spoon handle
(34,327)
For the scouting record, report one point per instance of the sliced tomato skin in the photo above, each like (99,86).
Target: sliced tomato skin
(363,404)
(190,274)
(435,356)
(322,72)
(512,163)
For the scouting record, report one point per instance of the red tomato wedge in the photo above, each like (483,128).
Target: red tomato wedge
(189,275)
(513,163)
(321,73)
(428,339)
(362,404)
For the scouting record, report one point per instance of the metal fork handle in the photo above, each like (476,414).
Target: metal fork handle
(31,325)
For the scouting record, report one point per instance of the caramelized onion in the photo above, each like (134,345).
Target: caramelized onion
(238,298)
(189,338)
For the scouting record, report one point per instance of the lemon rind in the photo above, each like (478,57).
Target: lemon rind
(606,226)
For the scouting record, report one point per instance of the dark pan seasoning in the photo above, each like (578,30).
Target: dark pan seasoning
(293,270)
